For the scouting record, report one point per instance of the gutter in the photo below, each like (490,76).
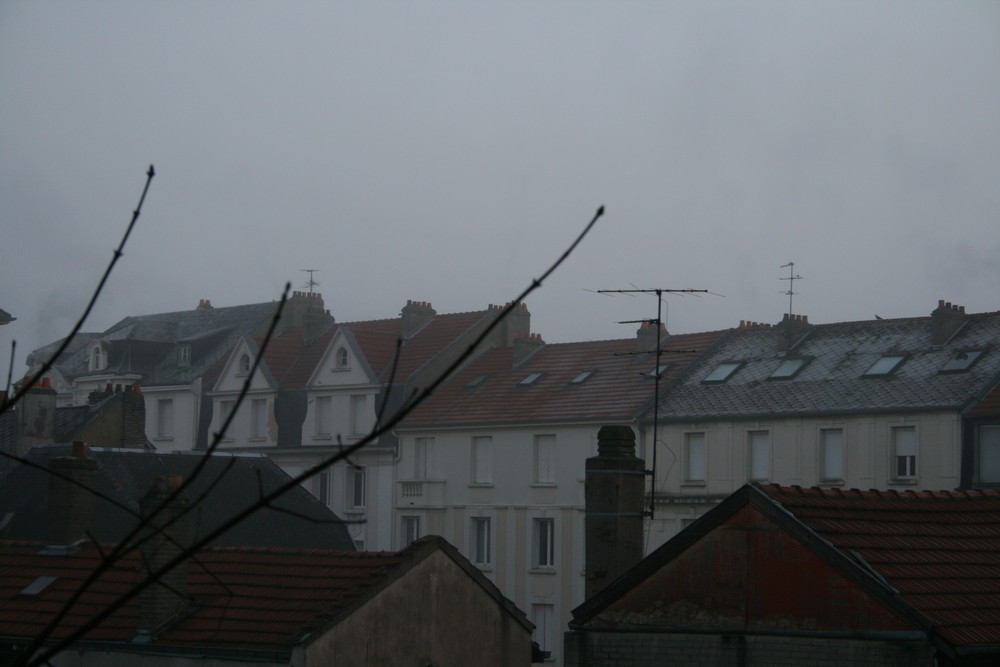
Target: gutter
(885,635)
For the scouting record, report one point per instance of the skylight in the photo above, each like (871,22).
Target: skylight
(37,586)
(788,369)
(530,379)
(659,371)
(962,361)
(886,364)
(582,377)
(723,371)
(476,381)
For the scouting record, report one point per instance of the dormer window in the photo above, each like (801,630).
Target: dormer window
(885,365)
(788,369)
(961,361)
(342,357)
(722,372)
(244,367)
(98,358)
(530,379)
(184,355)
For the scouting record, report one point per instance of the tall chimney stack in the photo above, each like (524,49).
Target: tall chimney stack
(167,533)
(614,488)
(71,500)
(36,417)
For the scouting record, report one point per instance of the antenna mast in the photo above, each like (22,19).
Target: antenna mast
(792,277)
(658,323)
(310,283)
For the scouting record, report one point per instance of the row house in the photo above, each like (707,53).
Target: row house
(900,404)
(173,356)
(313,396)
(494,460)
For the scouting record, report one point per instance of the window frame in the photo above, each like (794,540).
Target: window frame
(482,460)
(357,487)
(878,369)
(757,438)
(979,478)
(543,548)
(481,541)
(908,470)
(788,375)
(258,419)
(825,446)
(165,418)
(545,459)
(693,442)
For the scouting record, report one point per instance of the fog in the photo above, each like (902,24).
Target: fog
(450,151)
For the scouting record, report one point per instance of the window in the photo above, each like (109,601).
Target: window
(788,369)
(98,358)
(695,457)
(543,616)
(904,447)
(359,414)
(165,418)
(356,486)
(342,358)
(323,490)
(422,461)
(545,472)
(582,377)
(225,410)
(961,361)
(529,379)
(543,543)
(258,418)
(831,454)
(885,365)
(244,365)
(723,371)
(988,455)
(482,462)
(324,416)
(480,547)
(411,529)
(759,444)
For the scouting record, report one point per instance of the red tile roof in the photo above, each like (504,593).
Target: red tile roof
(940,550)
(620,386)
(246,598)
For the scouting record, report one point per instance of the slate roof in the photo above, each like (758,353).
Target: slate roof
(296,520)
(939,550)
(252,601)
(147,344)
(619,388)
(833,381)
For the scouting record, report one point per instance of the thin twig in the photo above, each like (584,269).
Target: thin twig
(293,482)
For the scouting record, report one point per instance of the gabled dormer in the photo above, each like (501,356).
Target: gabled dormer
(238,366)
(343,363)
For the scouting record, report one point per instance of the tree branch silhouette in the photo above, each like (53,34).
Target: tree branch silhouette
(46,653)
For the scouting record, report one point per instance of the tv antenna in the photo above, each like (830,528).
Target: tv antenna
(792,277)
(310,283)
(659,324)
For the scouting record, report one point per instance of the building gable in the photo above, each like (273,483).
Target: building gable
(238,366)
(749,572)
(343,363)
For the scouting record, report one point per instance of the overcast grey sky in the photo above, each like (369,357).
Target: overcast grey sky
(449,151)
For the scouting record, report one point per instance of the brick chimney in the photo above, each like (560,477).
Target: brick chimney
(646,336)
(793,329)
(613,494)
(203,304)
(517,323)
(71,503)
(526,346)
(946,320)
(36,416)
(415,316)
(166,536)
